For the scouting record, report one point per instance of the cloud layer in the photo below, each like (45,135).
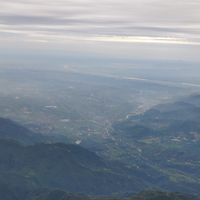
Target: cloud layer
(106,20)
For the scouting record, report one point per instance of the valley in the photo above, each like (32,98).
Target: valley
(147,134)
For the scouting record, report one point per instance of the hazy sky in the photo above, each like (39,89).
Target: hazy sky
(136,28)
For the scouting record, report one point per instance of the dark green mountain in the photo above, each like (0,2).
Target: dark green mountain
(193,99)
(159,195)
(68,167)
(14,131)
(165,138)
(187,109)
(173,106)
(145,195)
(11,130)
(8,192)
(77,170)
(157,150)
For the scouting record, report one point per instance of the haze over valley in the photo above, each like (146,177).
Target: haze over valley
(99,100)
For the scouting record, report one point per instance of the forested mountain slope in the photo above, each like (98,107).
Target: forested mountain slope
(8,192)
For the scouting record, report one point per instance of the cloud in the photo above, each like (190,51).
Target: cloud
(106,20)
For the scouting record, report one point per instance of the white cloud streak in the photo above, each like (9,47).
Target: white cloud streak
(157,21)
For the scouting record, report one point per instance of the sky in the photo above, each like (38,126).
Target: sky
(145,29)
